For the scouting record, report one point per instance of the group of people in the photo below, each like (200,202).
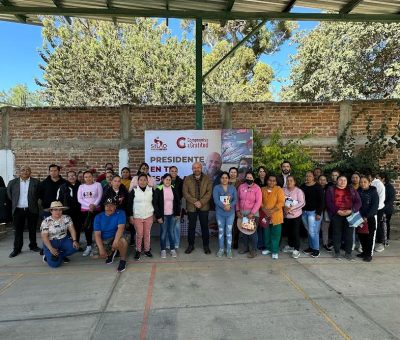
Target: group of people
(252,212)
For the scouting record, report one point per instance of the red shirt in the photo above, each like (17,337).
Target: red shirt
(343,199)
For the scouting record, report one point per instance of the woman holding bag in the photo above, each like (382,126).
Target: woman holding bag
(369,210)
(294,202)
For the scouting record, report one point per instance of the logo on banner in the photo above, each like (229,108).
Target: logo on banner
(192,143)
(158,145)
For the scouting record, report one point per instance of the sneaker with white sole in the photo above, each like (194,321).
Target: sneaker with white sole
(87,251)
(229,254)
(266,252)
(288,249)
(220,253)
(275,256)
(379,247)
(163,254)
(110,258)
(296,254)
(173,253)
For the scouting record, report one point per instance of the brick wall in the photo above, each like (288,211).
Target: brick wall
(80,138)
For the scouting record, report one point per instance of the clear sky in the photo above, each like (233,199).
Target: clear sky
(19,58)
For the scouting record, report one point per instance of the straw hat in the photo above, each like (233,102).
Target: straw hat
(56,205)
(245,231)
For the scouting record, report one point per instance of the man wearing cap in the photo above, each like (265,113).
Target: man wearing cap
(56,243)
(23,193)
(109,228)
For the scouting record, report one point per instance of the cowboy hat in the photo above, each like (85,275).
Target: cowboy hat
(246,231)
(56,205)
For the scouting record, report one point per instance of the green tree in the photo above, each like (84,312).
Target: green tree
(19,95)
(99,63)
(338,61)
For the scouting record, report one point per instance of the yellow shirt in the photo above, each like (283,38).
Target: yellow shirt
(274,198)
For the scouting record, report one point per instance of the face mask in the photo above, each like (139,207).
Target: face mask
(249,181)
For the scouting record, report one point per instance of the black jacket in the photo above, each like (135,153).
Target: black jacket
(369,202)
(121,197)
(68,195)
(314,196)
(280,181)
(390,192)
(48,190)
(158,202)
(178,185)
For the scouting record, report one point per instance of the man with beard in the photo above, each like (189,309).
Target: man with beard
(213,166)
(286,168)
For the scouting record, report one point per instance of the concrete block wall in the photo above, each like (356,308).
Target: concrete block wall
(80,138)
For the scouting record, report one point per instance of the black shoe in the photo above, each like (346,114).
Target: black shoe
(361,255)
(41,252)
(14,253)
(66,260)
(36,249)
(148,253)
(367,258)
(137,255)
(243,251)
(110,258)
(121,266)
(207,250)
(189,249)
(308,251)
(328,248)
(315,253)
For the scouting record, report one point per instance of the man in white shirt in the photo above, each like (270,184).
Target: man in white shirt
(23,193)
(380,187)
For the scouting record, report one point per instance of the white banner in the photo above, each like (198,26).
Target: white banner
(181,148)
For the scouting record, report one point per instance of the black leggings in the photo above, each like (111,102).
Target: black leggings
(87,220)
(292,226)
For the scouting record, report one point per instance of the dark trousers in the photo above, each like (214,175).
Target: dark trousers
(260,238)
(88,225)
(292,227)
(235,234)
(76,217)
(340,227)
(388,218)
(203,217)
(367,240)
(22,215)
(380,234)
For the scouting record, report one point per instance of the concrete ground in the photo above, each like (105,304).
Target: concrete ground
(199,296)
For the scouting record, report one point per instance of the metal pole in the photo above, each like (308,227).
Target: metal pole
(199,75)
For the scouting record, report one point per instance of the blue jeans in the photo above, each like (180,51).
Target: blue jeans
(312,226)
(225,224)
(64,248)
(177,233)
(167,228)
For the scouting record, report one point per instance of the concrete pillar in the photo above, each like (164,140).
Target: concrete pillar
(125,127)
(345,116)
(5,138)
(7,158)
(226,115)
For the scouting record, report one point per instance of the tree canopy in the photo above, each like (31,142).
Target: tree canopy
(339,61)
(19,95)
(99,63)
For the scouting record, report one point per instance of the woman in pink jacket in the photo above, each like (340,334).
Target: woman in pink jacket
(248,205)
(294,202)
(89,196)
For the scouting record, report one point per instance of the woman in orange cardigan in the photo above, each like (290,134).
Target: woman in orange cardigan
(273,200)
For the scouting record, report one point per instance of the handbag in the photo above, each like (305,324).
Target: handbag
(355,219)
(363,228)
(264,220)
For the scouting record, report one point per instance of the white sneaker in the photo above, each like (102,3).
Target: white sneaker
(296,254)
(275,256)
(173,253)
(379,247)
(87,251)
(359,249)
(266,252)
(163,254)
(287,249)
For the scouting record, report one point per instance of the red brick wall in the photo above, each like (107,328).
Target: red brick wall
(90,137)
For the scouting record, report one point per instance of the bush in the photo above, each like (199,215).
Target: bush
(276,150)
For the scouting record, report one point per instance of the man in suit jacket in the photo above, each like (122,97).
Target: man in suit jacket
(23,193)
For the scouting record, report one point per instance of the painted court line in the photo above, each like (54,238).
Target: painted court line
(18,276)
(320,310)
(147,306)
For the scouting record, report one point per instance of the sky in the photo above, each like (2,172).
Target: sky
(19,58)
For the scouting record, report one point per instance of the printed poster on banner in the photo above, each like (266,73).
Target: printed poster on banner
(217,150)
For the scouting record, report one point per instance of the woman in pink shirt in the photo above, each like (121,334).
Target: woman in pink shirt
(89,196)
(294,202)
(143,169)
(167,209)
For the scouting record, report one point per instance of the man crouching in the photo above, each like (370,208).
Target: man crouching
(108,233)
